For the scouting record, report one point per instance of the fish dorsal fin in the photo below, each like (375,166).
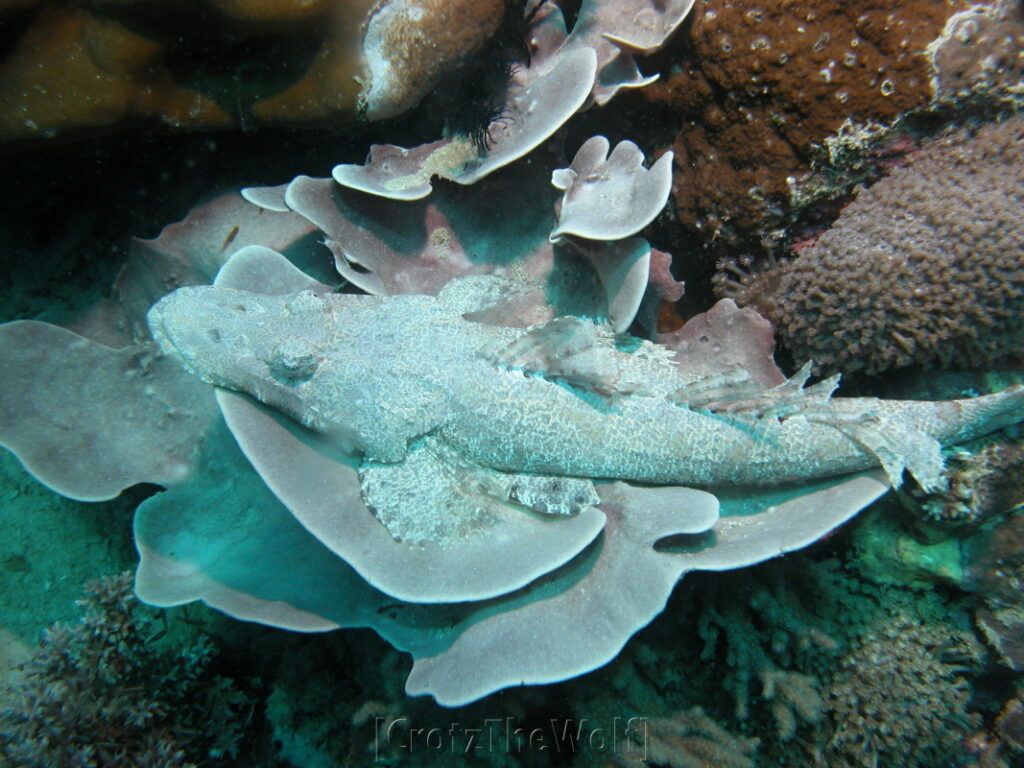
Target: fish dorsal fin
(718,390)
(570,349)
(897,444)
(735,392)
(791,396)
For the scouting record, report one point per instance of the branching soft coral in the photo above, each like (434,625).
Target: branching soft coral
(688,739)
(762,630)
(103,693)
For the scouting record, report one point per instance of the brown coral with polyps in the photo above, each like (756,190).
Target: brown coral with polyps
(926,266)
(759,85)
(902,696)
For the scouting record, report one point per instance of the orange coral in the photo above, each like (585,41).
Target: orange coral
(73,71)
(112,61)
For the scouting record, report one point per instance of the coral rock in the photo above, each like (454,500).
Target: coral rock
(760,84)
(979,52)
(408,45)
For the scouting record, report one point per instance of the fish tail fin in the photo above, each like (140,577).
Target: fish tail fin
(975,416)
(910,435)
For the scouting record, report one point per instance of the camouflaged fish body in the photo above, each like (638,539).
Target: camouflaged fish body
(391,376)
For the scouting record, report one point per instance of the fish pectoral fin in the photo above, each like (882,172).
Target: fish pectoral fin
(553,495)
(436,495)
(569,349)
(737,399)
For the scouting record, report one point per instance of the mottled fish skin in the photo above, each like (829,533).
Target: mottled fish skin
(380,372)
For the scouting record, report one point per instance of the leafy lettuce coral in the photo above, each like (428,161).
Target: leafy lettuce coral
(295,545)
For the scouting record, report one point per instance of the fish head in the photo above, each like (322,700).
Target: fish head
(241,340)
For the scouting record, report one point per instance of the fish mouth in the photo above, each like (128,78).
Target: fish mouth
(160,329)
(184,326)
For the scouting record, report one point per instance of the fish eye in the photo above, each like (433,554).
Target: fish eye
(293,360)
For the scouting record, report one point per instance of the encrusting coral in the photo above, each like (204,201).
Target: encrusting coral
(923,267)
(103,693)
(71,71)
(984,485)
(759,87)
(994,570)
